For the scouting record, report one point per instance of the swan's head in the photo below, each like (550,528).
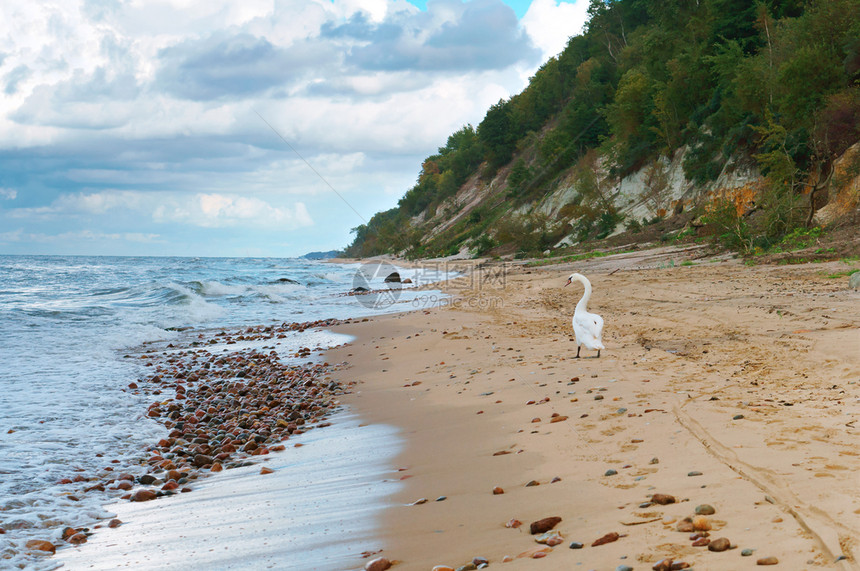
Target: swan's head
(573,276)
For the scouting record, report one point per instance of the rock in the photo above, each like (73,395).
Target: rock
(114,523)
(407,281)
(701,542)
(467,567)
(705,509)
(662,565)
(513,523)
(663,499)
(266,470)
(143,496)
(498,491)
(608,538)
(441,498)
(507,559)
(77,539)
(68,532)
(41,545)
(721,544)
(768,560)
(701,523)
(378,564)
(654,460)
(624,568)
(576,545)
(610,472)
(478,561)
(544,525)
(442,568)
(201,460)
(418,502)
(147,479)
(393,278)
(854,281)
(737,417)
(685,525)
(747,552)
(535,552)
(694,473)
(551,538)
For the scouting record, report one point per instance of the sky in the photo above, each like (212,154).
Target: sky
(253,128)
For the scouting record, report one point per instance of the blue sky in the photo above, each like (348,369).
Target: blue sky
(148,128)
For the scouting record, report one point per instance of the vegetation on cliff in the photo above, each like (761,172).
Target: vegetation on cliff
(771,84)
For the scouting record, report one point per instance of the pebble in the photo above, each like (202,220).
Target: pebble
(624,568)
(467,567)
(378,564)
(701,523)
(610,472)
(266,470)
(41,545)
(441,498)
(608,538)
(513,523)
(654,460)
(663,499)
(598,397)
(114,523)
(532,483)
(544,525)
(143,496)
(737,417)
(419,502)
(694,473)
(551,538)
(478,561)
(721,544)
(705,509)
(576,545)
(767,561)
(747,552)
(443,568)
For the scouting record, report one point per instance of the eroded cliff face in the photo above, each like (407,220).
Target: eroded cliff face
(843,190)
(658,189)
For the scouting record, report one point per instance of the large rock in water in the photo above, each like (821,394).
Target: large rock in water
(393,278)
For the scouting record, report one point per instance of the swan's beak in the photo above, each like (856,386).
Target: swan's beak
(568,282)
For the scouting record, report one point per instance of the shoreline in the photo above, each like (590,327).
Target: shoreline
(715,389)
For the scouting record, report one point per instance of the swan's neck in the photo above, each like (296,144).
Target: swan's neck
(583,302)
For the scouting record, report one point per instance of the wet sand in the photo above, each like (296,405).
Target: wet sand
(722,385)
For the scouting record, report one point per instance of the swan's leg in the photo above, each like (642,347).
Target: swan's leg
(578,347)
(598,354)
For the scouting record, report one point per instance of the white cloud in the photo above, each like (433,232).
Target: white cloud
(219,210)
(8,193)
(551,23)
(88,235)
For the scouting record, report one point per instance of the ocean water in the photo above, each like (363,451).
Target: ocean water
(66,324)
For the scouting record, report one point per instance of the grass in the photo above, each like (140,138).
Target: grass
(687,263)
(571,258)
(842,274)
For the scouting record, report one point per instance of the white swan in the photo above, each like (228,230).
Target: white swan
(588,327)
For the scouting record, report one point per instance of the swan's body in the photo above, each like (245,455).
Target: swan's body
(587,327)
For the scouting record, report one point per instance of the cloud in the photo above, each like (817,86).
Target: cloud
(89,235)
(450,36)
(235,65)
(551,23)
(219,210)
(14,77)
(8,193)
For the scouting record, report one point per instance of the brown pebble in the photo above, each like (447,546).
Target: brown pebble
(767,561)
(378,564)
(685,525)
(663,499)
(701,523)
(266,470)
(608,538)
(114,523)
(720,544)
(498,491)
(544,525)
(41,545)
(143,496)
(514,523)
(701,542)
(77,539)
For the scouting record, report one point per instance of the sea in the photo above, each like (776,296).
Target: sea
(68,324)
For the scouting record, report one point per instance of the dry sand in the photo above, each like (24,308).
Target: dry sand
(688,348)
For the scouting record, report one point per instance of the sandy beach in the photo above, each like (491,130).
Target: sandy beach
(732,389)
